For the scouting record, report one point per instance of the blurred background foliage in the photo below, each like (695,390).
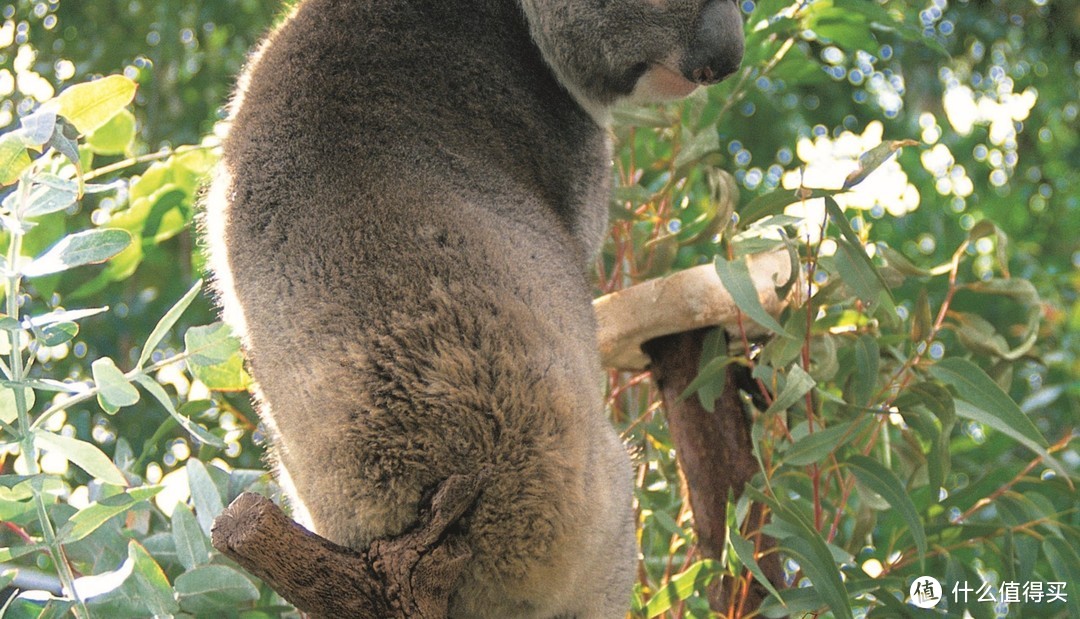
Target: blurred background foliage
(988,87)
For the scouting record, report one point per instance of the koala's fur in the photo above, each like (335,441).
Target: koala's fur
(400,232)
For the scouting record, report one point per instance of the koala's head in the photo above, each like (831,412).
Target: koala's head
(646,50)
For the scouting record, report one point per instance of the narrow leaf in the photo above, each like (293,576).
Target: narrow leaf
(815,447)
(978,389)
(873,158)
(744,550)
(885,483)
(88,519)
(856,270)
(167,321)
(797,385)
(200,433)
(867,359)
(88,247)
(735,275)
(82,454)
(817,563)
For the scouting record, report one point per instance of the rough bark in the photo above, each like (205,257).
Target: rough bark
(408,576)
(714,450)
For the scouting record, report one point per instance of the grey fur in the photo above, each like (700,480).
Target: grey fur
(400,231)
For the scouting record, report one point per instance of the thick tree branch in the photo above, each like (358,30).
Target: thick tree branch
(714,450)
(408,576)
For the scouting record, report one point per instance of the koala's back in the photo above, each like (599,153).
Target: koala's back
(400,232)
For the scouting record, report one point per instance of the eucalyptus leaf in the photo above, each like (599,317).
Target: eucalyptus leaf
(86,456)
(92,104)
(87,247)
(166,323)
(204,494)
(214,589)
(199,432)
(735,276)
(114,389)
(797,385)
(886,484)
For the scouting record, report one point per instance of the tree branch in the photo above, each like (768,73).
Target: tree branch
(408,576)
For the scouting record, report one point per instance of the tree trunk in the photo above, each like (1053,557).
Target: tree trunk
(714,451)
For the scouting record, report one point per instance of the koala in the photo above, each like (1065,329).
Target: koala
(400,229)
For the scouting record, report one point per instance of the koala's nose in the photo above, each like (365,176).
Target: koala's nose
(717,48)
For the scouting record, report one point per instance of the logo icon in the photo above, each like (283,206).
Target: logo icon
(925,592)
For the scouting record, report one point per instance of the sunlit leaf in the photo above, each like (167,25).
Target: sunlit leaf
(166,323)
(92,104)
(114,389)
(86,456)
(204,494)
(13,158)
(90,518)
(115,136)
(735,276)
(87,247)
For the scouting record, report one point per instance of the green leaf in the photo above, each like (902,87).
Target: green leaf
(115,136)
(872,159)
(13,158)
(90,518)
(735,276)
(855,269)
(56,334)
(694,578)
(167,321)
(744,550)
(8,412)
(204,494)
(1066,568)
(84,455)
(981,392)
(192,547)
(709,382)
(815,447)
(798,384)
(200,433)
(35,129)
(775,202)
(45,199)
(114,389)
(214,357)
(214,589)
(815,560)
(90,105)
(881,480)
(867,359)
(87,247)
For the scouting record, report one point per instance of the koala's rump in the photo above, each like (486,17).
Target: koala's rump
(395,346)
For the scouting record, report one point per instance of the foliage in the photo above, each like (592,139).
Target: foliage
(911,354)
(933,331)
